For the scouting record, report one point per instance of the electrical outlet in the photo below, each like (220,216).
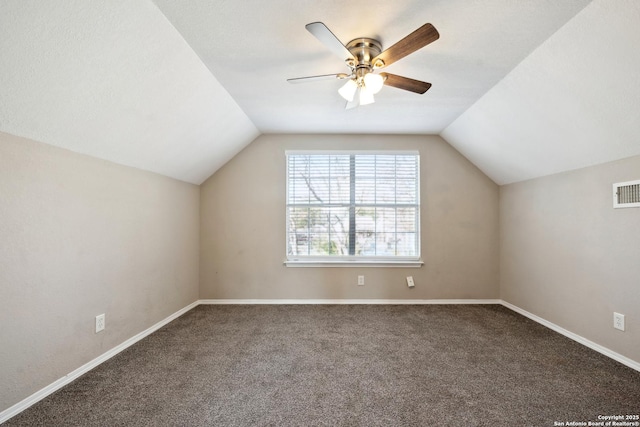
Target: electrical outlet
(100,323)
(410,281)
(618,321)
(360,280)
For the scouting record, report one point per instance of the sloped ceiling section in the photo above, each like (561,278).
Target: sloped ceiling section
(115,80)
(572,103)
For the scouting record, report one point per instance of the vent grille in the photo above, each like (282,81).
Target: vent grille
(626,194)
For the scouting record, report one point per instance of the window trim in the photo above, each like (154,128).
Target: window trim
(354,260)
(341,262)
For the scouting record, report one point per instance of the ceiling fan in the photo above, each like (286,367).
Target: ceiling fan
(364,56)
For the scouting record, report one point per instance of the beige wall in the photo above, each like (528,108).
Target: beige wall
(80,237)
(570,258)
(243,228)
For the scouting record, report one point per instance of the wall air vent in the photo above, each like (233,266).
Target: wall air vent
(626,194)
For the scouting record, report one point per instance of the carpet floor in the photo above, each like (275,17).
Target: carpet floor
(362,365)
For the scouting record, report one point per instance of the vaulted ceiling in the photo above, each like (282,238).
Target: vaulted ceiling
(521,88)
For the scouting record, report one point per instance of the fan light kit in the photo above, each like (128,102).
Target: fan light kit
(364,56)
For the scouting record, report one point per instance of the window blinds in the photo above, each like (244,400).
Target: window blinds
(353,205)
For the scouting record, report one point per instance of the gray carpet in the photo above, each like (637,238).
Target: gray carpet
(346,365)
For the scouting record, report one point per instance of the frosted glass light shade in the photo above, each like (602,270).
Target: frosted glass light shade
(366,96)
(348,90)
(373,82)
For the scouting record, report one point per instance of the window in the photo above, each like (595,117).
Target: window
(353,207)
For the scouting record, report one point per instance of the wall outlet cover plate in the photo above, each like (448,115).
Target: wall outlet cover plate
(100,323)
(618,321)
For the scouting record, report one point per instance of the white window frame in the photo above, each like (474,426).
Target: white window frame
(353,260)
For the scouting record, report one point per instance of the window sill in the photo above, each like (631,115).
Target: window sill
(354,263)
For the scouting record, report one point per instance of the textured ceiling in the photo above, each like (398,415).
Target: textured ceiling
(522,88)
(574,102)
(113,79)
(252,47)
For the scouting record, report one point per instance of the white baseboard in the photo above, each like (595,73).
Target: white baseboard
(587,343)
(46,391)
(61,382)
(348,301)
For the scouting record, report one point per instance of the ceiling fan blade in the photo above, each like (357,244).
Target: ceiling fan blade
(327,38)
(405,83)
(310,79)
(414,41)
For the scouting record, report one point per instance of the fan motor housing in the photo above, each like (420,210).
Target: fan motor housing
(364,50)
